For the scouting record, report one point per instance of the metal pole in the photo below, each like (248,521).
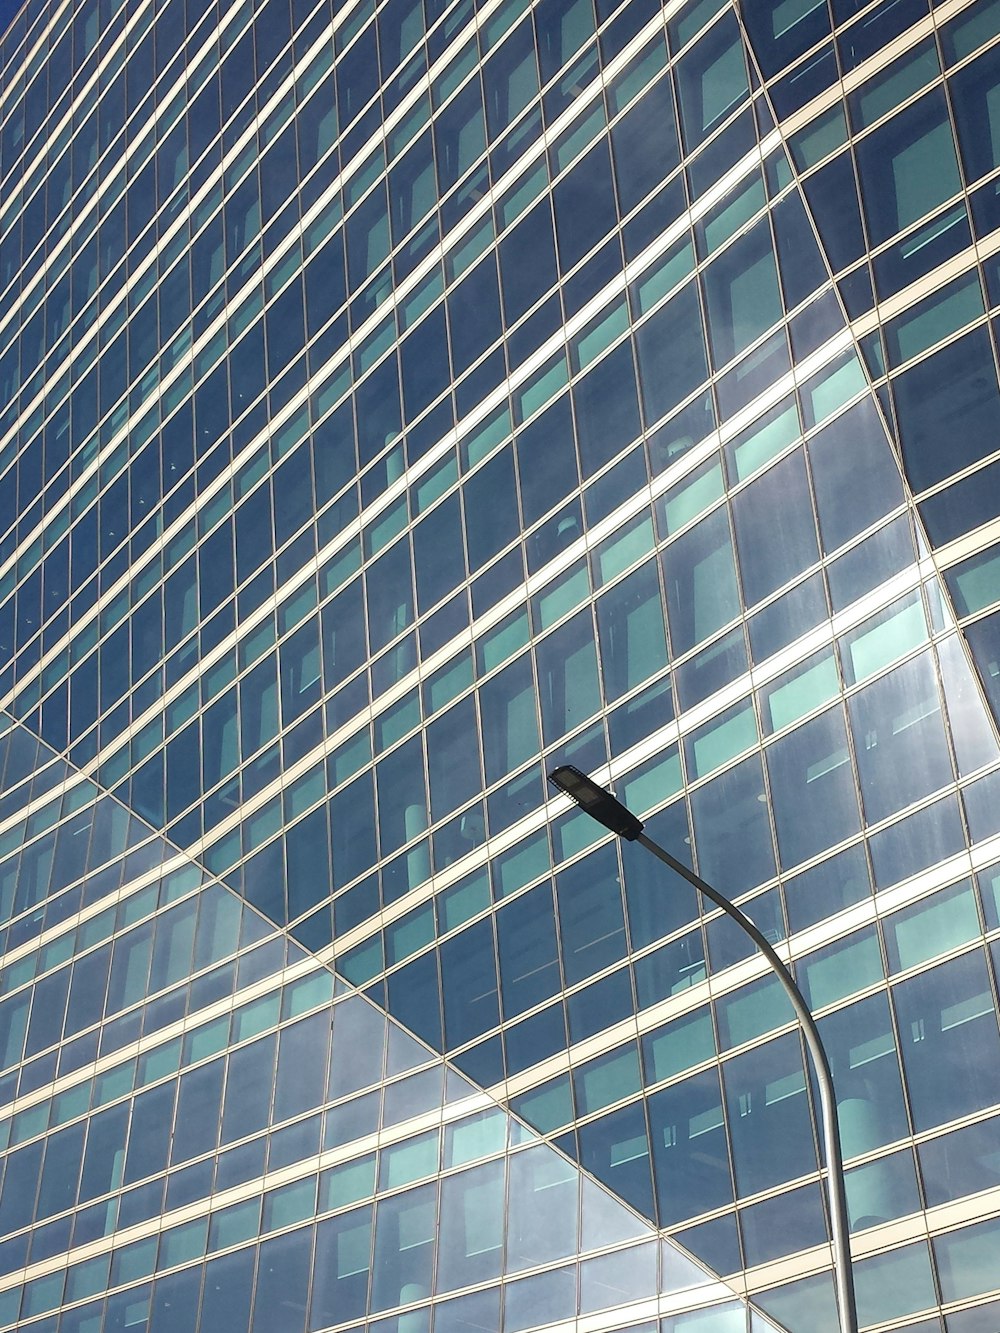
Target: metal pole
(839,1224)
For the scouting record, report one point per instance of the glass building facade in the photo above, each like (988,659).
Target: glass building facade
(396,400)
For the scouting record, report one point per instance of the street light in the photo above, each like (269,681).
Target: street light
(599,803)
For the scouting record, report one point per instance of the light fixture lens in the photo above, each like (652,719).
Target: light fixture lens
(595,801)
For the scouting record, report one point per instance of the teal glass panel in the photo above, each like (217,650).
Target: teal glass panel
(908,167)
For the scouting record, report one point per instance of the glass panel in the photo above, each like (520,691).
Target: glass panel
(953,392)
(932,927)
(976,98)
(741,290)
(897,1283)
(732,830)
(672,359)
(769,1118)
(862,1051)
(899,738)
(567,674)
(882,1190)
(405,1230)
(616,1279)
(712,80)
(962,1162)
(591,914)
(795,1220)
(529,967)
(678,1046)
(855,475)
(849,965)
(631,631)
(914,154)
(800,691)
(884,638)
(543,1209)
(759,443)
(775,532)
(812,788)
(700,579)
(933,319)
(950,1041)
(965,1259)
(471,1226)
(615,1148)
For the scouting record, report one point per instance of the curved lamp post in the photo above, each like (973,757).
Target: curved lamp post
(595,801)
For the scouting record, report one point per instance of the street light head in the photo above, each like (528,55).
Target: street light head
(596,801)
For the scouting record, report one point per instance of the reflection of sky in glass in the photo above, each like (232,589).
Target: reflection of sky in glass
(287,1105)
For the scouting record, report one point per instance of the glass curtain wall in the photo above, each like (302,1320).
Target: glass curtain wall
(397,400)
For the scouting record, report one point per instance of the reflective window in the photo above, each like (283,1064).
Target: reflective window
(775,531)
(854,473)
(567,676)
(977,112)
(962,1162)
(671,351)
(529,966)
(510,80)
(700,578)
(812,788)
(832,194)
(914,155)
(899,738)
(897,1283)
(472,1224)
(543,1217)
(769,1119)
(779,32)
(741,292)
(865,1066)
(615,1148)
(607,410)
(631,630)
(950,1041)
(405,1227)
(882,1190)
(963,1258)
(954,390)
(712,79)
(638,167)
(584,204)
(780,1226)
(591,915)
(732,830)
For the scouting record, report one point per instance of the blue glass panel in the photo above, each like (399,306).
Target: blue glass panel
(898,763)
(228,1289)
(529,968)
(950,1040)
(812,788)
(591,916)
(469,985)
(770,1124)
(732,831)
(712,79)
(690,1155)
(615,1148)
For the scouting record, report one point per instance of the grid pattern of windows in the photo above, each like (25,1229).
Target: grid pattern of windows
(277,1151)
(398,399)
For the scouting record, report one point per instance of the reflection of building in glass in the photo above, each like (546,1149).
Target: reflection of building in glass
(396,400)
